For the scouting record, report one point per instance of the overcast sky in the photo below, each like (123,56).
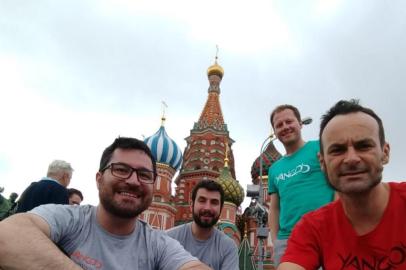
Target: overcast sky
(76,74)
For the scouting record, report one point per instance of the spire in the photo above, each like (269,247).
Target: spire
(215,73)
(211,115)
(226,157)
(164,106)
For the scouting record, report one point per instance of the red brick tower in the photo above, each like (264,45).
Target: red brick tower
(205,151)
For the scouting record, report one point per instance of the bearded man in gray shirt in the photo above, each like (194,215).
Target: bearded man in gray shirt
(200,237)
(106,237)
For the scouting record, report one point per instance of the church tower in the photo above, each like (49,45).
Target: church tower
(161,213)
(205,151)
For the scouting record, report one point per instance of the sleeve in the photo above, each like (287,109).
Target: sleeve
(171,254)
(303,245)
(271,184)
(62,220)
(230,261)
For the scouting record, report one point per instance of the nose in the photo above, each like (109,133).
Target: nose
(351,156)
(133,180)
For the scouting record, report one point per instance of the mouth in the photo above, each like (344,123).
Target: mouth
(352,173)
(287,133)
(128,194)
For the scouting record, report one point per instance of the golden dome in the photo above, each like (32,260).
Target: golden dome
(215,69)
(233,191)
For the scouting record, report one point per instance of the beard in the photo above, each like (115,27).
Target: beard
(203,223)
(122,209)
(358,186)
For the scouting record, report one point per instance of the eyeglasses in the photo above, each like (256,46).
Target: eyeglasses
(124,171)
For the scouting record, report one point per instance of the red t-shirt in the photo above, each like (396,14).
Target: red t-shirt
(325,237)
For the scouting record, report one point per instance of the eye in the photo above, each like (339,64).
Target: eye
(121,169)
(145,175)
(364,145)
(336,150)
(215,202)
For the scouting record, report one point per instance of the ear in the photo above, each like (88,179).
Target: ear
(386,152)
(321,160)
(98,179)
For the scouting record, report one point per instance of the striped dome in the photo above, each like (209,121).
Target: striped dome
(164,149)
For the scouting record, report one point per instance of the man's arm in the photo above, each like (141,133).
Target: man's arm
(274,216)
(194,265)
(230,260)
(290,266)
(25,244)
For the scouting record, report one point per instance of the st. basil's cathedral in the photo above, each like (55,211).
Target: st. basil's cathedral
(208,155)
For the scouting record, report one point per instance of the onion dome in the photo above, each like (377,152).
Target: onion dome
(215,69)
(164,149)
(233,191)
(269,156)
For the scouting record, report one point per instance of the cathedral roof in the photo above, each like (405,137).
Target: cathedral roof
(233,191)
(215,69)
(212,116)
(164,149)
(269,156)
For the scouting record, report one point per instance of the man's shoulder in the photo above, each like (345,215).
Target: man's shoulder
(224,238)
(177,229)
(322,215)
(399,187)
(48,183)
(73,210)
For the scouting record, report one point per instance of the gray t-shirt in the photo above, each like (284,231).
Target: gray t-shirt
(219,251)
(76,230)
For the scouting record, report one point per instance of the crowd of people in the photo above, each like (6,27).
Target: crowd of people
(329,207)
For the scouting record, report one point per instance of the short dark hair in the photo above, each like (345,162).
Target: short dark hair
(210,185)
(285,107)
(346,107)
(126,143)
(72,191)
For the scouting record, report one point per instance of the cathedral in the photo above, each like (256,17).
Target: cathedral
(209,155)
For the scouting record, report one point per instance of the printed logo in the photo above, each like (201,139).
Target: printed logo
(395,259)
(301,168)
(85,261)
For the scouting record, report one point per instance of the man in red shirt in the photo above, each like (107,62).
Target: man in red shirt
(365,228)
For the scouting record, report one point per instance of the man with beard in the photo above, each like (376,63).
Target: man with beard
(108,236)
(365,228)
(296,183)
(200,237)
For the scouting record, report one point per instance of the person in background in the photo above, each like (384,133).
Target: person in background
(75,196)
(50,189)
(200,237)
(296,183)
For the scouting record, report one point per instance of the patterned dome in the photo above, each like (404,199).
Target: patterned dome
(232,189)
(164,149)
(269,156)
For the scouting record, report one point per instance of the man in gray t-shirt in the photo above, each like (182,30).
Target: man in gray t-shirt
(200,237)
(76,231)
(106,237)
